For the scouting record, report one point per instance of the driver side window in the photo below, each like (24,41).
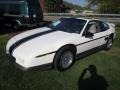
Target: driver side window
(92,27)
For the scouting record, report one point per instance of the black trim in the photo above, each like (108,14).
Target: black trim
(90,52)
(40,67)
(91,40)
(49,65)
(18,43)
(45,54)
(76,45)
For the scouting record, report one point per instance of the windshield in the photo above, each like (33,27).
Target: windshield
(13,8)
(70,25)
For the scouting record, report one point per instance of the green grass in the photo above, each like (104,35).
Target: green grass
(107,63)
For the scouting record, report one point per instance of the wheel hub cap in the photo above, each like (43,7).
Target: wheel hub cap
(67,59)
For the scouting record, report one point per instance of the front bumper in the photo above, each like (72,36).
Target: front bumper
(22,68)
(41,67)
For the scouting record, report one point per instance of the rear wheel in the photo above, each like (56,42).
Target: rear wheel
(109,43)
(64,58)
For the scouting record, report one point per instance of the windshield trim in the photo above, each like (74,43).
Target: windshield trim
(84,23)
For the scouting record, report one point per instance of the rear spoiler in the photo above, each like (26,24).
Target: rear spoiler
(112,24)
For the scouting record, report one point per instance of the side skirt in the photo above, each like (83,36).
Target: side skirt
(89,52)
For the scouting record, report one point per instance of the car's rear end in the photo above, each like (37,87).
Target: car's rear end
(112,28)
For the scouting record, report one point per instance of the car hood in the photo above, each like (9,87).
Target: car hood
(42,44)
(24,35)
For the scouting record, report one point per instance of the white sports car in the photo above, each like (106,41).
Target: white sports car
(59,43)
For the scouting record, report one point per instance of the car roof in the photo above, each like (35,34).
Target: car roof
(89,19)
(85,19)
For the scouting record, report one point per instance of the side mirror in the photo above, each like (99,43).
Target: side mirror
(89,35)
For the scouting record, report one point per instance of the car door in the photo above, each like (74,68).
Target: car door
(104,31)
(90,41)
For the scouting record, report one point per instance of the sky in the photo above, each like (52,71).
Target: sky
(78,2)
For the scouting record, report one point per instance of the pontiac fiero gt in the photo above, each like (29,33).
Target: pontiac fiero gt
(59,43)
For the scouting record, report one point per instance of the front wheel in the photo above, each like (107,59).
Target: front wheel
(64,59)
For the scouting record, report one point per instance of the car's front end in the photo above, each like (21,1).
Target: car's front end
(26,64)
(37,47)
(22,53)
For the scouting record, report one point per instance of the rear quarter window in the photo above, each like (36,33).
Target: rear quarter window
(103,26)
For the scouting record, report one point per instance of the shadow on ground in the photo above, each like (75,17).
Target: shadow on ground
(93,82)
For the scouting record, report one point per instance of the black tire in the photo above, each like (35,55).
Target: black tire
(62,58)
(109,43)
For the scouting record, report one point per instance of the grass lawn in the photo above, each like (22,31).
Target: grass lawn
(107,63)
